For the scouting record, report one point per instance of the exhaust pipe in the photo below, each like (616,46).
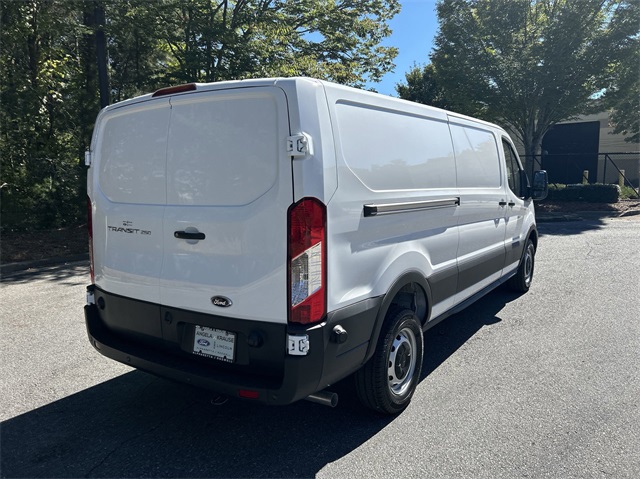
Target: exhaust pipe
(326,398)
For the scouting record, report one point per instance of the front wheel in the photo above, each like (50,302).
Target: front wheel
(521,282)
(388,380)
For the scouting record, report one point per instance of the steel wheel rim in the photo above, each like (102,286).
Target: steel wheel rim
(528,265)
(402,362)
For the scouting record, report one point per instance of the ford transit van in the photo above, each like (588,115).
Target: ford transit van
(265,239)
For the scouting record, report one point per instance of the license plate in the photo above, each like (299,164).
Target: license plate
(214,343)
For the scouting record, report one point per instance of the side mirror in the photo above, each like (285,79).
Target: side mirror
(540,188)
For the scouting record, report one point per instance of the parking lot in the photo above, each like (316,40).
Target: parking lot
(541,385)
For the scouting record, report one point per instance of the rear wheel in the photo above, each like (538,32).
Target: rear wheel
(388,380)
(521,282)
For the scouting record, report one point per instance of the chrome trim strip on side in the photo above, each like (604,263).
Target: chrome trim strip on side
(391,208)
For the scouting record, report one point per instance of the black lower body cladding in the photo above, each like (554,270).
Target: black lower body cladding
(160,340)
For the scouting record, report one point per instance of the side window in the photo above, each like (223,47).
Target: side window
(513,168)
(478,163)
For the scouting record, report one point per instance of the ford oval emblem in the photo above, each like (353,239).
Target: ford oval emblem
(203,342)
(221,301)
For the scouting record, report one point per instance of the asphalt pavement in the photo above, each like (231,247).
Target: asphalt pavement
(546,384)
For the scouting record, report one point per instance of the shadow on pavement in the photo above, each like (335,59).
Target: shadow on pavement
(56,273)
(444,339)
(137,425)
(576,226)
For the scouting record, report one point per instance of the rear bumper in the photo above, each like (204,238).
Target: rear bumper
(266,371)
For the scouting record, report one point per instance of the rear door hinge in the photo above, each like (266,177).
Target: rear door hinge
(299,146)
(87,158)
(298,344)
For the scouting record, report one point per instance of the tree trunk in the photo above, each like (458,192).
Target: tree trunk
(101,54)
(532,139)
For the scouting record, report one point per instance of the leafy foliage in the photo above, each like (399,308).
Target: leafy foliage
(528,64)
(49,86)
(40,175)
(594,193)
(213,40)
(623,94)
(422,87)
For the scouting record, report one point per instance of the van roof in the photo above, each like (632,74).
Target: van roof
(373,97)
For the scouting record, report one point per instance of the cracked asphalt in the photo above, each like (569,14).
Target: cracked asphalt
(541,385)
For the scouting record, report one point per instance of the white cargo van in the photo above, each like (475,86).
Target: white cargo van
(264,239)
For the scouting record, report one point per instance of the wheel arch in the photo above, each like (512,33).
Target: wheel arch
(411,290)
(533,236)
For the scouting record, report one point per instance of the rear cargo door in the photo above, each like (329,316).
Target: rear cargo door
(229,186)
(128,193)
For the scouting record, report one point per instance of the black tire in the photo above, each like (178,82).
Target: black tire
(388,380)
(521,282)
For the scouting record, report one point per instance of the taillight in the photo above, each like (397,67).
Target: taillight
(90,228)
(307,257)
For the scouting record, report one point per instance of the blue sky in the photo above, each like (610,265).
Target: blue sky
(413,31)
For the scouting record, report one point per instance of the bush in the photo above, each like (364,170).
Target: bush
(596,193)
(628,193)
(560,192)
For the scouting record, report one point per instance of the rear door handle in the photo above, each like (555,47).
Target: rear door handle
(189,236)
(502,203)
(511,203)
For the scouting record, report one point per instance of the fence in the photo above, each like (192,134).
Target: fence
(607,168)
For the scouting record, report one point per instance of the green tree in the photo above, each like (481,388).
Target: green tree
(624,100)
(332,39)
(38,63)
(49,79)
(623,93)
(422,86)
(138,60)
(527,64)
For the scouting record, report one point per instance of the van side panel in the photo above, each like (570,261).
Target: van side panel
(385,156)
